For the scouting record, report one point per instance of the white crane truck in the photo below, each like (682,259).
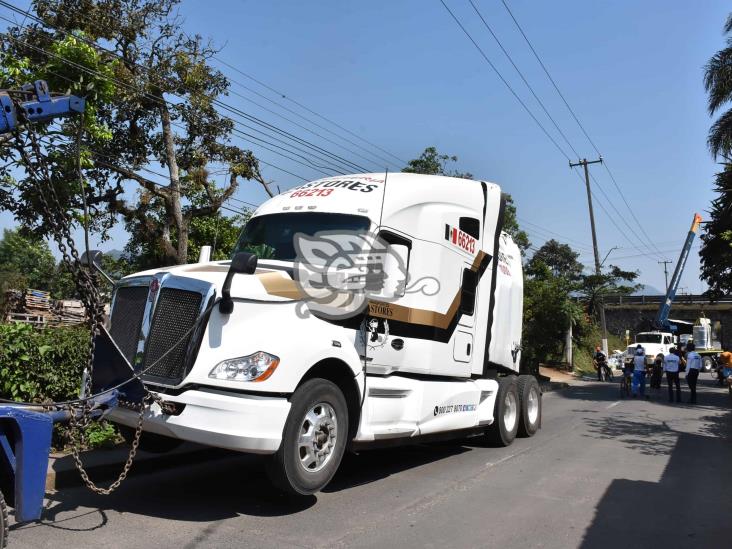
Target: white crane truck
(272,370)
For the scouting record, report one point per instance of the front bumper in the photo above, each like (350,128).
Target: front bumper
(245,423)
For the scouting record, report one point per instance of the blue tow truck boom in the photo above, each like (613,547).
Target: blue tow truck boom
(661,322)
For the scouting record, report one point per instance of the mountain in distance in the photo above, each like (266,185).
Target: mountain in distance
(645,289)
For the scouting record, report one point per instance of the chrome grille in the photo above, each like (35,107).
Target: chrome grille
(176,312)
(126,318)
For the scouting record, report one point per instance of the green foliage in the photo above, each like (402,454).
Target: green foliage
(613,280)
(101,434)
(559,258)
(716,251)
(28,256)
(511,226)
(152,100)
(431,162)
(41,365)
(548,311)
(45,366)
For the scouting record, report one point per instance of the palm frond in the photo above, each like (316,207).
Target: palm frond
(718,79)
(720,135)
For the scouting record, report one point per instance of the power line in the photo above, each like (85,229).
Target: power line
(522,103)
(251,118)
(308,162)
(293,101)
(505,82)
(576,119)
(523,78)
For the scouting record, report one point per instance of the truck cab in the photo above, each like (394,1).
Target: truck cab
(379,308)
(653,343)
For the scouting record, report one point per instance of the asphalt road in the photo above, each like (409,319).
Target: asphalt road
(600,473)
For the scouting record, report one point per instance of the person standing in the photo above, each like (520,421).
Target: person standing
(657,372)
(600,361)
(671,367)
(639,372)
(693,367)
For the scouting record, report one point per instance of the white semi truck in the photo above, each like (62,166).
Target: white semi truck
(276,369)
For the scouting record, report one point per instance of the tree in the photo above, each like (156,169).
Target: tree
(593,287)
(26,260)
(511,226)
(154,100)
(551,280)
(716,252)
(559,258)
(217,230)
(431,162)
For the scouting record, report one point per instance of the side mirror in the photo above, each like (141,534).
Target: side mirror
(94,259)
(395,271)
(242,263)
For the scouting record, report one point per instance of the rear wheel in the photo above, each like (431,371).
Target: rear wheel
(529,394)
(313,441)
(505,413)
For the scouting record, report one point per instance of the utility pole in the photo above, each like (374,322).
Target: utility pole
(584,163)
(665,271)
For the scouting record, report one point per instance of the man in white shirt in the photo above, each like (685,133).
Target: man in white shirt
(671,367)
(693,367)
(639,371)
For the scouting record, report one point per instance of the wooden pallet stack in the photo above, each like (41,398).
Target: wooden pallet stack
(69,312)
(36,307)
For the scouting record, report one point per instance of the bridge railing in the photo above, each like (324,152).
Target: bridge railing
(658,299)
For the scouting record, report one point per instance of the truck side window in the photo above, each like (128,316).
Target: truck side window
(391,238)
(471,226)
(467,292)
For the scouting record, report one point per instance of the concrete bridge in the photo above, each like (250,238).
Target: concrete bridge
(636,313)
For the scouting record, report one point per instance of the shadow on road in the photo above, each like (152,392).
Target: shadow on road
(690,505)
(234,485)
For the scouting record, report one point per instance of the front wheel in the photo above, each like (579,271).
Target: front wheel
(505,413)
(708,364)
(313,441)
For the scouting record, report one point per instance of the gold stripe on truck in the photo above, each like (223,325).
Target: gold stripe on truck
(276,284)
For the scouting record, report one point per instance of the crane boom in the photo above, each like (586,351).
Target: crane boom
(661,322)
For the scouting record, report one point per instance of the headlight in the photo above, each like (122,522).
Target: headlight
(256,367)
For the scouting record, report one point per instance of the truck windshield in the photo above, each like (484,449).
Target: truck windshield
(648,338)
(270,236)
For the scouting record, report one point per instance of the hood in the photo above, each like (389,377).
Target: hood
(271,281)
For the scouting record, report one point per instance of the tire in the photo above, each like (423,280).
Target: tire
(150,442)
(708,364)
(317,406)
(3,522)
(506,413)
(529,394)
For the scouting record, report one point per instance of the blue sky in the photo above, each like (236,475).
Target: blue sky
(402,75)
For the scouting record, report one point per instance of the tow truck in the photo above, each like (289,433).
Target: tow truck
(665,330)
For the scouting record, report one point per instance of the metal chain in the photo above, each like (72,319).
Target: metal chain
(86,285)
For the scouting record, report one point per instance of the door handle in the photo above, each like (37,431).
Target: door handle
(468,348)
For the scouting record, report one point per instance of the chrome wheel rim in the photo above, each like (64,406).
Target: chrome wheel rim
(510,411)
(533,405)
(318,436)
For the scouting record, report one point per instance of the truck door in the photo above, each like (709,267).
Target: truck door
(463,344)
